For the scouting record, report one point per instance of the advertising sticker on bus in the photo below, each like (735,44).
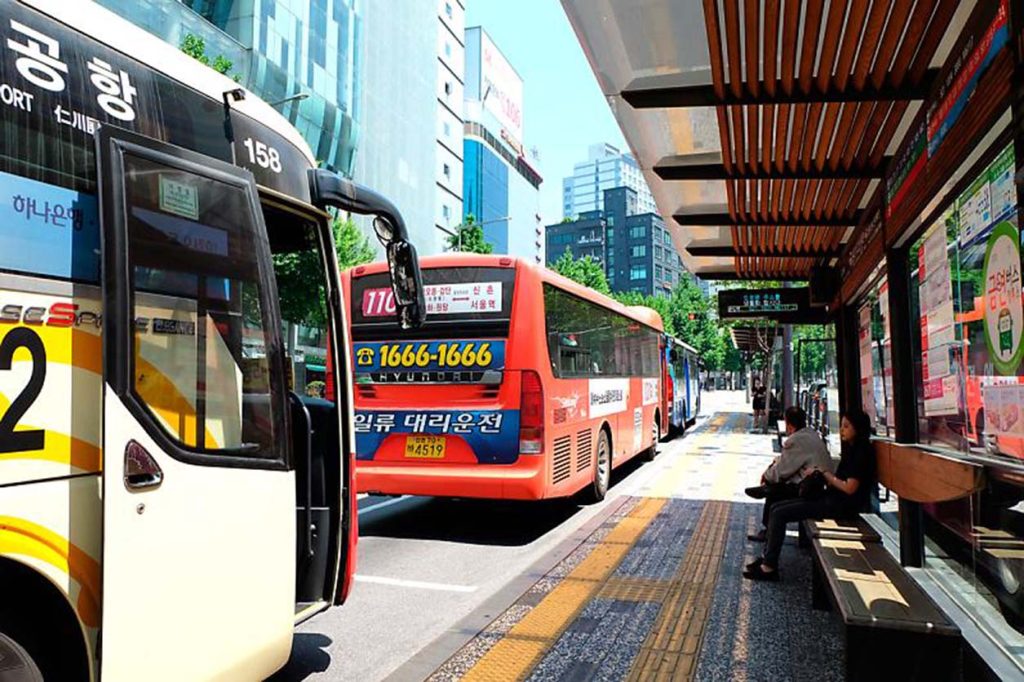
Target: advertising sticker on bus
(442,299)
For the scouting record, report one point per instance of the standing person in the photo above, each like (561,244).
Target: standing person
(803,449)
(758,392)
(848,493)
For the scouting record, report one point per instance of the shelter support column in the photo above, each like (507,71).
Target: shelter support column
(901,328)
(787,398)
(846,358)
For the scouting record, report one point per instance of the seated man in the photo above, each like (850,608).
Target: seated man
(803,447)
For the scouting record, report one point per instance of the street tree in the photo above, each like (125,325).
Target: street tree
(585,270)
(300,274)
(195,46)
(661,304)
(695,321)
(469,238)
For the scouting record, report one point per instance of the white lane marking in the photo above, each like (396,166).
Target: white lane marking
(382,505)
(360,496)
(419,584)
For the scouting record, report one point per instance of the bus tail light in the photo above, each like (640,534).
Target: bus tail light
(531,414)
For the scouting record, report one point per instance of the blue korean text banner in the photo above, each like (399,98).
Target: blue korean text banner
(493,435)
(461,355)
(48,230)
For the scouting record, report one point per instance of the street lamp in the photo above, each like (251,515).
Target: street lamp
(297,97)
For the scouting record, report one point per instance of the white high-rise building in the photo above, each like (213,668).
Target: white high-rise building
(606,167)
(451,79)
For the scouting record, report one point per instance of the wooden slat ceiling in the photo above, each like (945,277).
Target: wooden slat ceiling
(810,133)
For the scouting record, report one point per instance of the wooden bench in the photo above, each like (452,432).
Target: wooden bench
(839,529)
(893,629)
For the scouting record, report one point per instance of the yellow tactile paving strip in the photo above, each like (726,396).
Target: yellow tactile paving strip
(634,589)
(673,644)
(519,651)
(671,649)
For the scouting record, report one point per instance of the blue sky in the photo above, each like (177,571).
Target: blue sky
(563,109)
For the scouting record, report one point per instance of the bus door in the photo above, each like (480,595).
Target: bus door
(198,497)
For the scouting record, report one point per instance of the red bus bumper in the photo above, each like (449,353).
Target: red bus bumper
(523,480)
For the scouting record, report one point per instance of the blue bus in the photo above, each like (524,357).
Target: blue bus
(682,385)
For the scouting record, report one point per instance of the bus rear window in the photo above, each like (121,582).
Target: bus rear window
(461,302)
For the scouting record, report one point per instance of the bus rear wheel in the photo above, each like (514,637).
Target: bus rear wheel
(650,453)
(17,664)
(602,468)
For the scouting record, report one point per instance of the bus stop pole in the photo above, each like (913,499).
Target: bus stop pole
(901,329)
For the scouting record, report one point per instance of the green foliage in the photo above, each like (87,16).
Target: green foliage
(352,245)
(586,271)
(469,238)
(813,354)
(195,46)
(659,303)
(300,275)
(702,331)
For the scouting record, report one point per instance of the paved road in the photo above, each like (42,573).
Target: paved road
(425,564)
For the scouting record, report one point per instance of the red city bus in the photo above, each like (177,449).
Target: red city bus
(521,385)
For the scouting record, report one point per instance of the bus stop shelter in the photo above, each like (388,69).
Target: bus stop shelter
(871,150)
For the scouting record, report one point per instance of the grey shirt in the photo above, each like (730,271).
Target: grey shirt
(804,448)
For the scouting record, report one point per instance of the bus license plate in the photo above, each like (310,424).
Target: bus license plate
(424,447)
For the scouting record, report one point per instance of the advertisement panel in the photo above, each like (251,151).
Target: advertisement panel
(501,88)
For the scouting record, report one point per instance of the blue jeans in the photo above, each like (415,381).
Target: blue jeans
(786,512)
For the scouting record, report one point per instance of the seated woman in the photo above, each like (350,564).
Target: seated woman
(848,494)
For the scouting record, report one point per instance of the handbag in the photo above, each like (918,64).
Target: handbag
(813,486)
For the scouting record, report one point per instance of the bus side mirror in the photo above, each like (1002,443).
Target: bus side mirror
(330,189)
(407,283)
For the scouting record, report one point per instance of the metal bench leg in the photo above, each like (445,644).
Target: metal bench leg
(819,589)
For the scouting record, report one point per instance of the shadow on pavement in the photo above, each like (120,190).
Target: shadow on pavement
(309,655)
(481,522)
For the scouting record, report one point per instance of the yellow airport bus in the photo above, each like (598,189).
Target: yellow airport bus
(172,502)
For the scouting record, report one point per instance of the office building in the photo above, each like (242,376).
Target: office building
(634,246)
(584,236)
(448,121)
(606,167)
(277,48)
(407,142)
(501,186)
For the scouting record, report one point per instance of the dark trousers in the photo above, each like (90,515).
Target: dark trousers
(777,492)
(789,511)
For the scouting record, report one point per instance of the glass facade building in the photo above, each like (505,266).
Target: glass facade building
(634,246)
(278,48)
(605,168)
(485,192)
(501,187)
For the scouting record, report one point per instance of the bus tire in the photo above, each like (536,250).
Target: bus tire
(39,618)
(602,468)
(18,665)
(650,453)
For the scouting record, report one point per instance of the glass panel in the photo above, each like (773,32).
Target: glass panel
(967,294)
(587,340)
(875,352)
(967,286)
(202,336)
